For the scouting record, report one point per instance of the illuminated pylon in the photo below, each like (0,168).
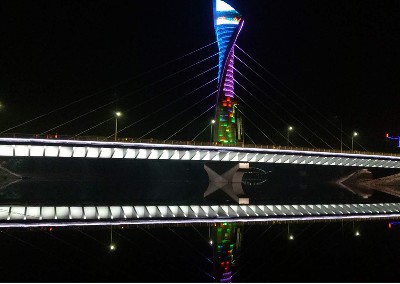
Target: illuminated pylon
(227,23)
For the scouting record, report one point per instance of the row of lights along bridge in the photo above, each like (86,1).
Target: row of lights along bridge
(290,129)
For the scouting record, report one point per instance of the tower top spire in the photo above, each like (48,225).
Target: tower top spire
(223,6)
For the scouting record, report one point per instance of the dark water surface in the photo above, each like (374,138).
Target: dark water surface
(319,252)
(136,182)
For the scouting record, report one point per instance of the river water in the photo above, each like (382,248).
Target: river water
(135,182)
(319,252)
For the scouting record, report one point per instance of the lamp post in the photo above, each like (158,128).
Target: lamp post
(288,135)
(117,114)
(352,140)
(211,130)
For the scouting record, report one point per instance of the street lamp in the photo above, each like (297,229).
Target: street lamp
(352,140)
(288,135)
(117,114)
(211,132)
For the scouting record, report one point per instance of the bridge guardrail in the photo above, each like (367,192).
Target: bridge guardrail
(181,142)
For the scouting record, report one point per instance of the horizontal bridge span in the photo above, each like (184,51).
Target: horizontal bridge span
(34,216)
(16,147)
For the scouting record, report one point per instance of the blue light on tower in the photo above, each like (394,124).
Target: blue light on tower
(227,23)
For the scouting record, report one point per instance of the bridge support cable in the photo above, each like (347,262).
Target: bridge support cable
(204,129)
(190,122)
(252,141)
(282,108)
(143,88)
(178,114)
(284,85)
(76,118)
(154,97)
(289,100)
(315,110)
(279,117)
(107,89)
(169,104)
(94,126)
(262,118)
(273,143)
(253,110)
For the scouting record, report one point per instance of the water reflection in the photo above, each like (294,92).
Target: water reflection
(226,239)
(60,182)
(96,182)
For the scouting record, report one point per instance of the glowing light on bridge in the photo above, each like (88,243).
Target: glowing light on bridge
(393,138)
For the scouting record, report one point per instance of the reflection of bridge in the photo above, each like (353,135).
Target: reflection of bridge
(15,147)
(37,216)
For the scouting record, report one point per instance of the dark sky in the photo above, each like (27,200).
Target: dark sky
(341,58)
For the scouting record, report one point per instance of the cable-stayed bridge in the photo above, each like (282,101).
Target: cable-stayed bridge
(237,114)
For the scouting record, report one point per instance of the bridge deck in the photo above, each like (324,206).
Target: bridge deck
(19,147)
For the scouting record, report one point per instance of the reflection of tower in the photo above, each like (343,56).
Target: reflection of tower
(227,242)
(227,24)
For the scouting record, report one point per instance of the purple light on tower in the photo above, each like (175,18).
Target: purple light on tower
(228,24)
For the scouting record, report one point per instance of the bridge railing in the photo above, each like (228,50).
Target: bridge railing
(182,142)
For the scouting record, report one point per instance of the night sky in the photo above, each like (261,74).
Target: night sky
(339,58)
(80,61)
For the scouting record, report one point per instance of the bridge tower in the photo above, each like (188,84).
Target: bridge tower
(227,23)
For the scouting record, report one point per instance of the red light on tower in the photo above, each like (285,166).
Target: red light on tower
(387,135)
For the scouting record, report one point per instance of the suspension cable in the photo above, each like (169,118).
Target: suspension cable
(178,114)
(204,129)
(249,138)
(283,109)
(80,116)
(108,88)
(297,95)
(167,105)
(288,99)
(262,103)
(154,83)
(255,110)
(273,143)
(98,124)
(190,122)
(160,94)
